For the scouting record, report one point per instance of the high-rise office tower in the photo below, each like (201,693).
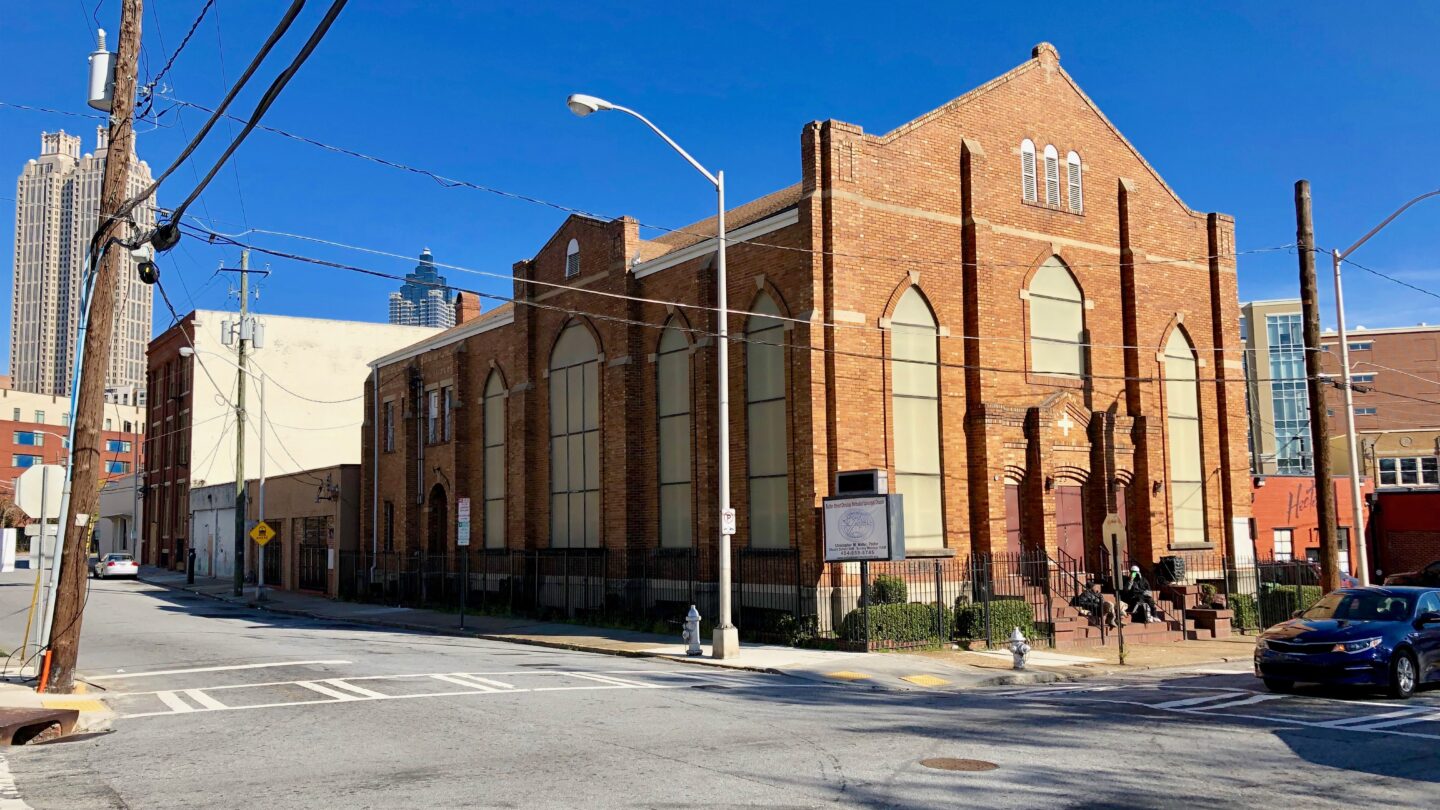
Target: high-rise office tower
(424,300)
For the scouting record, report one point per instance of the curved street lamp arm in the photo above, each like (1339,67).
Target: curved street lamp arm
(1340,256)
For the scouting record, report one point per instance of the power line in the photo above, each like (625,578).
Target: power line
(155,80)
(1421,290)
(694,331)
(297,395)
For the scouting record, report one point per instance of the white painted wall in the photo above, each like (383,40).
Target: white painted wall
(315,402)
(114,529)
(212,530)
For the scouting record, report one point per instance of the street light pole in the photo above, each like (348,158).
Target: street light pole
(1338,258)
(725,641)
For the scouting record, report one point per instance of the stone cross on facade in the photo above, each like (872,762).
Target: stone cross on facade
(1065,423)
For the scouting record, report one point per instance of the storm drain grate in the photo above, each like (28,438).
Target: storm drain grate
(953,764)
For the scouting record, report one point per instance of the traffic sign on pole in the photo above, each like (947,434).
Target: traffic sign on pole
(262,533)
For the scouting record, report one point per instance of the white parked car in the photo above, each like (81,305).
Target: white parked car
(116,565)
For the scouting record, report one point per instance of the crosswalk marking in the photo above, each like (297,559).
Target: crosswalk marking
(1370,718)
(493,684)
(459,680)
(325,690)
(1180,704)
(1419,718)
(174,702)
(606,679)
(1243,701)
(350,687)
(204,700)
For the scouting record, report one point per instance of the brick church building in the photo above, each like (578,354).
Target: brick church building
(990,302)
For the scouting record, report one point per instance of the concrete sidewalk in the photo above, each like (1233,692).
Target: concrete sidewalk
(920,670)
(17,691)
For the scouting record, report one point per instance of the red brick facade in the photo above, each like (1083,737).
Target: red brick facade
(1284,509)
(937,205)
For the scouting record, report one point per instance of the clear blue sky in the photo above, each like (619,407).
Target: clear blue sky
(1231,105)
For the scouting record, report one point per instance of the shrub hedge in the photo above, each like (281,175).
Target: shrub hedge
(1243,605)
(1277,602)
(1005,616)
(897,623)
(888,589)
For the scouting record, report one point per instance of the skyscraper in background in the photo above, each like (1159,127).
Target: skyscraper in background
(57,208)
(424,300)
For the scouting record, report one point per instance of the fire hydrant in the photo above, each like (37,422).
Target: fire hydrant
(1019,648)
(691,634)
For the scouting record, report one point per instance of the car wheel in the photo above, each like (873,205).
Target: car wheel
(1403,675)
(1279,686)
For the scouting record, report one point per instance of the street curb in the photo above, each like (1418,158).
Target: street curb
(457,633)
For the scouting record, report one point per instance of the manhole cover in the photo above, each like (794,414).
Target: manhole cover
(953,764)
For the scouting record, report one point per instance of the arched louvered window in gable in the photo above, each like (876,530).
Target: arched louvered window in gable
(1183,441)
(572,259)
(575,440)
(672,407)
(1027,171)
(1074,193)
(915,398)
(766,423)
(1057,321)
(1052,177)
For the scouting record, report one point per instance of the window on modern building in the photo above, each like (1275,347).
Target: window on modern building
(1361,346)
(432,416)
(1289,398)
(389,418)
(117,446)
(766,426)
(117,466)
(1057,321)
(1027,171)
(1365,411)
(575,440)
(40,417)
(1284,544)
(572,259)
(494,433)
(29,438)
(672,406)
(1182,439)
(389,531)
(1052,177)
(128,425)
(17,415)
(915,392)
(23,460)
(1362,378)
(1073,193)
(109,425)
(1412,471)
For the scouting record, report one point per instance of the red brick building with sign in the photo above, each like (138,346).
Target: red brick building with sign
(987,302)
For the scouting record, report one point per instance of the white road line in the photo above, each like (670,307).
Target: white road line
(1261,698)
(493,684)
(459,681)
(9,793)
(1180,704)
(606,679)
(325,690)
(173,700)
(1244,671)
(1422,718)
(339,683)
(1370,718)
(204,700)
(118,676)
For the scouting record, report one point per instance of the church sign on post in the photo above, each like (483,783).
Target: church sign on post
(864,528)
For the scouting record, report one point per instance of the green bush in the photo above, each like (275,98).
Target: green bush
(1207,594)
(1243,606)
(888,589)
(1005,616)
(1278,602)
(897,623)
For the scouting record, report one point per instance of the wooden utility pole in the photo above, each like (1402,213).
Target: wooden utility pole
(90,407)
(242,332)
(1315,384)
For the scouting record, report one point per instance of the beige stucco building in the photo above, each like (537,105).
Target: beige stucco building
(57,208)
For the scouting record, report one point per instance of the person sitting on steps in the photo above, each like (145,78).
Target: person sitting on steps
(1138,601)
(1093,602)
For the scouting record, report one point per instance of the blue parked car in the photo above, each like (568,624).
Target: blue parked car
(1380,636)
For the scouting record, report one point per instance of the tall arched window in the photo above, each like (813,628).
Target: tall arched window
(1057,321)
(1182,440)
(494,461)
(672,405)
(572,259)
(1052,177)
(575,440)
(1074,194)
(766,421)
(1027,171)
(439,522)
(915,396)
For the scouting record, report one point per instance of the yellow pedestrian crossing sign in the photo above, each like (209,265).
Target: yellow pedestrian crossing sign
(262,533)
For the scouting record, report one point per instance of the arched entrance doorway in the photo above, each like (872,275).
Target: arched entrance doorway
(439,522)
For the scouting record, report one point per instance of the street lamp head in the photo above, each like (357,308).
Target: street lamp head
(186,351)
(582,105)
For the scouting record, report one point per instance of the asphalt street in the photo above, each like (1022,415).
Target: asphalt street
(229,707)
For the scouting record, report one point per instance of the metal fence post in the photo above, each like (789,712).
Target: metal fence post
(939,607)
(865,600)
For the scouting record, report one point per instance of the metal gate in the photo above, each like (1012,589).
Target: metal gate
(313,561)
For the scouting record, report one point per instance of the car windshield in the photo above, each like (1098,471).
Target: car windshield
(1366,606)
(119,557)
